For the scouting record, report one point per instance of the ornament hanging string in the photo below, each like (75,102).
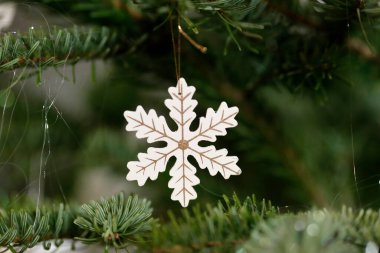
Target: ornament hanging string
(177,51)
(177,46)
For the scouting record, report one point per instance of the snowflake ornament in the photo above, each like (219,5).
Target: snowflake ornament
(181,143)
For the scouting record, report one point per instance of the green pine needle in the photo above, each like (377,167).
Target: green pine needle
(115,221)
(316,231)
(41,49)
(22,229)
(217,228)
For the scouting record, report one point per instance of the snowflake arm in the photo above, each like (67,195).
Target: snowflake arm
(215,123)
(181,107)
(150,164)
(215,160)
(148,125)
(154,128)
(183,179)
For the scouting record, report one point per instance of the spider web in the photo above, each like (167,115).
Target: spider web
(23,98)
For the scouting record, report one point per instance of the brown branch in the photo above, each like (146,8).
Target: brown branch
(195,44)
(362,49)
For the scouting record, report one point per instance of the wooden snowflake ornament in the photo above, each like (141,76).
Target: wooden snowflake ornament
(181,143)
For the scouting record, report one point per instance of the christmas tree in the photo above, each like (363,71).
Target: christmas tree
(303,73)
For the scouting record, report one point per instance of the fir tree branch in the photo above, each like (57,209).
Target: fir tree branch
(114,221)
(339,10)
(227,6)
(220,228)
(291,15)
(43,49)
(349,10)
(317,231)
(107,12)
(21,229)
(117,221)
(123,12)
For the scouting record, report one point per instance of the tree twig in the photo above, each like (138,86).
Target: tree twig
(362,49)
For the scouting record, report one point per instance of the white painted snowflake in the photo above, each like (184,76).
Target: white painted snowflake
(181,143)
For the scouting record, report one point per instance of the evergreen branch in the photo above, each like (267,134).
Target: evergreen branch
(113,221)
(229,6)
(291,15)
(245,226)
(123,12)
(20,230)
(338,9)
(60,46)
(372,9)
(317,231)
(235,7)
(219,228)
(107,12)
(347,9)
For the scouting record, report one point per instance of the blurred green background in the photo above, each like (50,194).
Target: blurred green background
(306,135)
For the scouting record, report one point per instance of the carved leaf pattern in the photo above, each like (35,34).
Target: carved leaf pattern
(182,106)
(183,179)
(150,164)
(181,143)
(148,125)
(216,161)
(215,123)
